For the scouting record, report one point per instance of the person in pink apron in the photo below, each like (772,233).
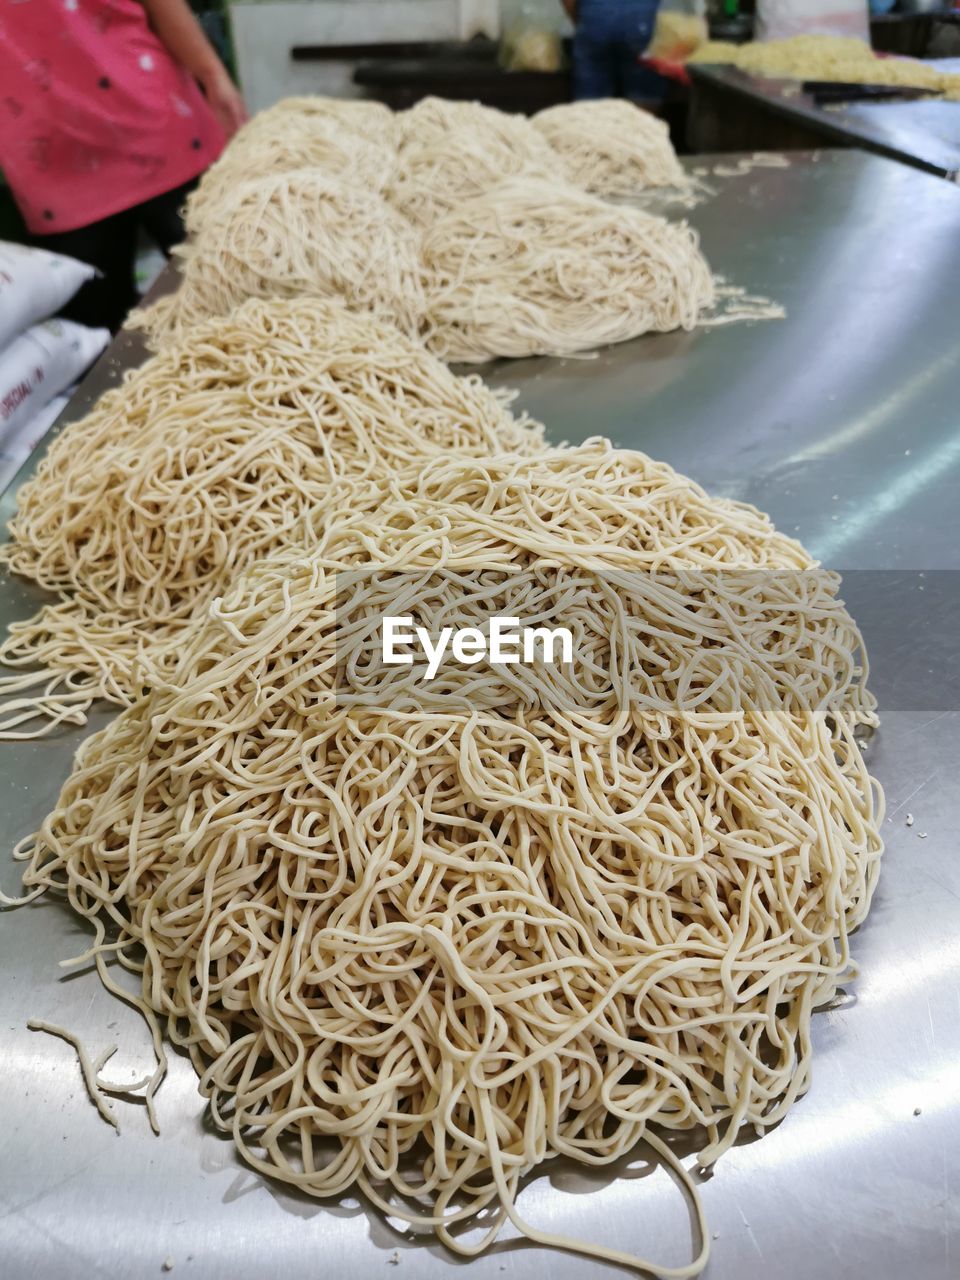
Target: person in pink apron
(109,112)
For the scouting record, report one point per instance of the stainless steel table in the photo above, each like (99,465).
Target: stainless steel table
(844,422)
(734,108)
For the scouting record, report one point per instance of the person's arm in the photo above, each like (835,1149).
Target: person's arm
(185,40)
(571,8)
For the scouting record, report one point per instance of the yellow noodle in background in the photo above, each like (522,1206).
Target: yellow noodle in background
(241,439)
(539,268)
(611,147)
(421,945)
(838,58)
(290,235)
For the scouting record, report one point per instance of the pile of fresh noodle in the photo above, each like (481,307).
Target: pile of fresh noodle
(338,140)
(291,235)
(534,268)
(611,147)
(242,439)
(422,939)
(448,152)
(838,58)
(483,243)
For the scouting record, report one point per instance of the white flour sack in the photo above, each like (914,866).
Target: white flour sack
(780,19)
(41,363)
(18,445)
(35,284)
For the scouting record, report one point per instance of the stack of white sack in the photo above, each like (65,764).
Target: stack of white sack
(39,357)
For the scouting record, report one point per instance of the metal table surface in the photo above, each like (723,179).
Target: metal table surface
(924,133)
(842,421)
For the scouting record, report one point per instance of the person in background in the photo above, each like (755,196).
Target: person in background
(609,37)
(109,112)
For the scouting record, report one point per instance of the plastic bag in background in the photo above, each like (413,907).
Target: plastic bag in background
(531,49)
(41,363)
(34,285)
(781,19)
(15,451)
(680,29)
(532,39)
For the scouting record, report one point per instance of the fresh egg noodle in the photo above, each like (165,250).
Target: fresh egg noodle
(96,1087)
(289,235)
(531,267)
(244,437)
(354,117)
(423,944)
(451,151)
(837,58)
(419,940)
(611,147)
(539,268)
(280,141)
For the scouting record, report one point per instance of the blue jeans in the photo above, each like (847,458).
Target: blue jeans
(610,36)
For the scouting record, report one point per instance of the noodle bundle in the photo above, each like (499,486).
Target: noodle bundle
(611,147)
(538,268)
(238,441)
(422,941)
(449,152)
(291,235)
(353,117)
(278,141)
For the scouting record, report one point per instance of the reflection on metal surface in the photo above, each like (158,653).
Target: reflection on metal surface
(864,255)
(892,410)
(916,480)
(904,973)
(866,258)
